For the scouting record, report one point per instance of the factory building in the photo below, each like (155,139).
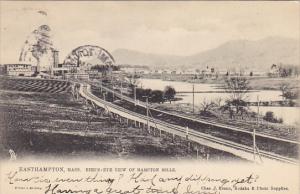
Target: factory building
(20,70)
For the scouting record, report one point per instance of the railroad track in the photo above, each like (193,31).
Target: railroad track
(202,121)
(214,142)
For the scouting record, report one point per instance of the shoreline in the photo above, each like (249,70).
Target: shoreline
(257,83)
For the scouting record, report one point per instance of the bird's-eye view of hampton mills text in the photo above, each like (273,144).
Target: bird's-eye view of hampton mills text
(126,81)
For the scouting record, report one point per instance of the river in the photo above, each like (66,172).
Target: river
(290,115)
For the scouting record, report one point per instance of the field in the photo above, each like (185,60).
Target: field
(40,118)
(35,85)
(274,83)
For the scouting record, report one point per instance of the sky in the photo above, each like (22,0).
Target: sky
(170,27)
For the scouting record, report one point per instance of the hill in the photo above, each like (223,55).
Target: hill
(259,55)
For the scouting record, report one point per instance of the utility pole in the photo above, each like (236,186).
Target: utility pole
(254,143)
(254,130)
(112,83)
(187,132)
(134,93)
(193,98)
(147,112)
(100,85)
(147,105)
(104,96)
(121,83)
(258,104)
(113,93)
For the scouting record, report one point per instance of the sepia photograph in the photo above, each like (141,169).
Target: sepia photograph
(163,82)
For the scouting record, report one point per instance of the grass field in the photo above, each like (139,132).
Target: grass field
(40,118)
(274,83)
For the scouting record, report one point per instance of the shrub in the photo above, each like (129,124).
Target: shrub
(169,93)
(269,116)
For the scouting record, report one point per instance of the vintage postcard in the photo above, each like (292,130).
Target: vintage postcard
(149,97)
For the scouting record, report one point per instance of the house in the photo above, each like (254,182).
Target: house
(20,70)
(274,71)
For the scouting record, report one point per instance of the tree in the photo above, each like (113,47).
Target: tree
(169,93)
(288,93)
(206,106)
(147,92)
(237,87)
(283,72)
(100,68)
(156,96)
(133,79)
(227,107)
(269,116)
(141,93)
(116,68)
(218,101)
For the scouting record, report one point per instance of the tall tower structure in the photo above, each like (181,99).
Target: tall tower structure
(55,58)
(54,61)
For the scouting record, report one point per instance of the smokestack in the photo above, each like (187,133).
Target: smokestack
(55,58)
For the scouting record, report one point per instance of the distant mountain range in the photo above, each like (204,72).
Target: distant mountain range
(258,55)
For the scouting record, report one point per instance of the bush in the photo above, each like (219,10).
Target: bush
(169,93)
(269,116)
(155,96)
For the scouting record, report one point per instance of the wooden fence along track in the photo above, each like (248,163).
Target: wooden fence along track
(204,121)
(240,150)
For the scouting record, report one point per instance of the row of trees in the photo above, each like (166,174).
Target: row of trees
(285,71)
(155,96)
(288,93)
(105,68)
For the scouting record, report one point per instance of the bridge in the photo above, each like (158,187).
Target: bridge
(144,121)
